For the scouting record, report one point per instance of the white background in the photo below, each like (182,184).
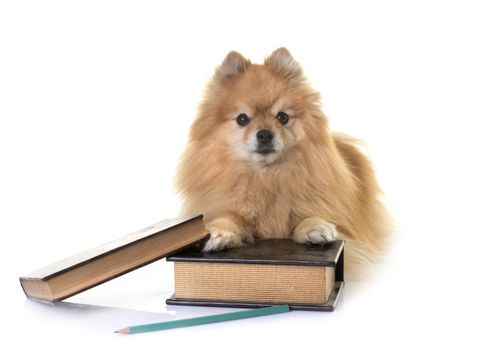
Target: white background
(96,99)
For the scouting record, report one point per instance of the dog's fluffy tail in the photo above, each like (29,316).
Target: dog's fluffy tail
(366,237)
(359,263)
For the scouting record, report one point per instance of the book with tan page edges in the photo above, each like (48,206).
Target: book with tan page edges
(98,265)
(268,272)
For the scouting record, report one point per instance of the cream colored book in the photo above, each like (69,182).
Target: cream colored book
(268,272)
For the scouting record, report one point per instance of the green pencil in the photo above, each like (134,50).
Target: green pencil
(205,319)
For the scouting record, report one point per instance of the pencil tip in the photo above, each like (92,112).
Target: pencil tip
(122,331)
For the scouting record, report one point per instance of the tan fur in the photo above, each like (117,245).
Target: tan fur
(317,177)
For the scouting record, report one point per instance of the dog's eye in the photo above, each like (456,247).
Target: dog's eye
(282,117)
(243,119)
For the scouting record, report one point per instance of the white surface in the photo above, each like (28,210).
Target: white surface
(96,99)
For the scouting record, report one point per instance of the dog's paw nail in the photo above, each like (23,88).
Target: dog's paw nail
(320,236)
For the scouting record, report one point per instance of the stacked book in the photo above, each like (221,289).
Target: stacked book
(268,272)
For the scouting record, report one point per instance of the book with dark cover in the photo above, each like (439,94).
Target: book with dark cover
(98,265)
(268,272)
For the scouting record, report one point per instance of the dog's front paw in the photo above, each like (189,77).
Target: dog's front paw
(315,230)
(220,240)
(224,234)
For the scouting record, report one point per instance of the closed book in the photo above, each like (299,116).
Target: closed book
(95,266)
(268,272)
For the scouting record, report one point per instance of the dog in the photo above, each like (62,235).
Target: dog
(261,162)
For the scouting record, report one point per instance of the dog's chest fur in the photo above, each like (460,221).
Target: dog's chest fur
(265,202)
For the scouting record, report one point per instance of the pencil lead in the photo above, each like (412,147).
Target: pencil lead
(123,330)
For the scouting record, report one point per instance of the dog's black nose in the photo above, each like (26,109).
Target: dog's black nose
(264,136)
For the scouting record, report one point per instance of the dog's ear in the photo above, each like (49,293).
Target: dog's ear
(282,62)
(233,64)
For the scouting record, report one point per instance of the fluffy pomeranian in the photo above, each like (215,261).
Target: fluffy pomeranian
(261,162)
